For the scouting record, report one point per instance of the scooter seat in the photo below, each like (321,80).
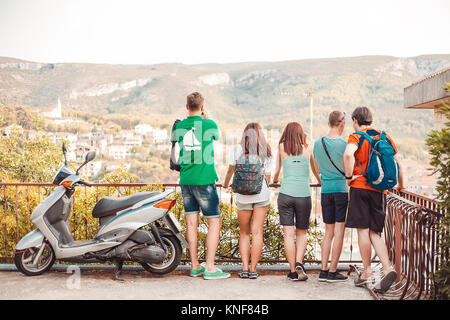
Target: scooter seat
(109,205)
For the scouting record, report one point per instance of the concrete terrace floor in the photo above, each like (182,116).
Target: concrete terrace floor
(95,284)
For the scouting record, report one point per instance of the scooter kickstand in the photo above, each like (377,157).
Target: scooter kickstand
(118,270)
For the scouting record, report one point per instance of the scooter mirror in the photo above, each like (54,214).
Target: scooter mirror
(64,150)
(90,156)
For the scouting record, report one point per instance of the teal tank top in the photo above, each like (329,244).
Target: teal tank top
(295,176)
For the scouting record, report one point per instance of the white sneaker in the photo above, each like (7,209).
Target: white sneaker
(386,282)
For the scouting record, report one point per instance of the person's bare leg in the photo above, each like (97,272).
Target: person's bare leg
(289,245)
(244,217)
(381,250)
(257,225)
(301,244)
(191,238)
(338,240)
(365,249)
(212,241)
(326,244)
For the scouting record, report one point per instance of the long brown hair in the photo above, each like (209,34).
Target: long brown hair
(293,139)
(253,141)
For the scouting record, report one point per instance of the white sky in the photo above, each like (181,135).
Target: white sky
(201,31)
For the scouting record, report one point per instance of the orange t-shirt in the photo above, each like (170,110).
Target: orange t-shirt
(362,155)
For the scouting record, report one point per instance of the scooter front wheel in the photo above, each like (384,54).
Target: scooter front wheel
(25,260)
(172,259)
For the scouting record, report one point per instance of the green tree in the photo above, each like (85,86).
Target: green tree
(29,160)
(20,115)
(438,143)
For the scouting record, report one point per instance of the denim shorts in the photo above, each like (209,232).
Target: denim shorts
(334,207)
(201,197)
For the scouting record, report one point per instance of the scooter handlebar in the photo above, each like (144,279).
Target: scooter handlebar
(84,183)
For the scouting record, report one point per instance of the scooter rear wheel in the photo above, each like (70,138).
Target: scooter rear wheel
(24,260)
(172,260)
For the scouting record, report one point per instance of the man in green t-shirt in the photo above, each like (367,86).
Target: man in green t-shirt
(195,136)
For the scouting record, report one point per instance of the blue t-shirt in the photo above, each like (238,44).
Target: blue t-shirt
(332,180)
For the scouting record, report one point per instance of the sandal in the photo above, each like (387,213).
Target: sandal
(253,275)
(243,274)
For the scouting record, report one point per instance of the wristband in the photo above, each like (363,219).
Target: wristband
(348,178)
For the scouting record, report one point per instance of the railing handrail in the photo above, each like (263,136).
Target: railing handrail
(124,184)
(412,194)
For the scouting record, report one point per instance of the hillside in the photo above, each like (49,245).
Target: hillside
(272,93)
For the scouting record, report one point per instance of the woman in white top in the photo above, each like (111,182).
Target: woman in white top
(252,209)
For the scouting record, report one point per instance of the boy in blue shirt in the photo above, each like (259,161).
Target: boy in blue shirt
(328,153)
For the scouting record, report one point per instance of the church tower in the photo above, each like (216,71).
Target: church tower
(58,113)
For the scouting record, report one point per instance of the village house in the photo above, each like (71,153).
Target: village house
(143,129)
(157,136)
(91,169)
(123,135)
(134,142)
(118,151)
(58,137)
(80,152)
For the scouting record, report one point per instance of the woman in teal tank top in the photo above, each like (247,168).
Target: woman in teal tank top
(295,175)
(294,200)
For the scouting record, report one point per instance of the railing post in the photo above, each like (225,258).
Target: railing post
(398,243)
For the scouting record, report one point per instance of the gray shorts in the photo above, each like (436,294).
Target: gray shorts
(294,211)
(251,206)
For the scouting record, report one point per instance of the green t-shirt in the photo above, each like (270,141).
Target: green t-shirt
(195,137)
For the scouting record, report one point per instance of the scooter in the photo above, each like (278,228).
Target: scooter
(130,230)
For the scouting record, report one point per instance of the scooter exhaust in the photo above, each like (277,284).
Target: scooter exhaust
(148,254)
(129,250)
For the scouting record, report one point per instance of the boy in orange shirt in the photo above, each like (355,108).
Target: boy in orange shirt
(367,205)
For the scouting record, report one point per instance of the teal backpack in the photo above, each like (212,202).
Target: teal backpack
(248,176)
(382,169)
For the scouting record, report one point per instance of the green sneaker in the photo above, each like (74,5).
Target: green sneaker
(197,273)
(218,274)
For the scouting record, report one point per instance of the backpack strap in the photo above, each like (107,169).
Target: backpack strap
(328,155)
(362,169)
(173,138)
(364,135)
(173,163)
(368,137)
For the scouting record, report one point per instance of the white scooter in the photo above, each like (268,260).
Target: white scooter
(130,230)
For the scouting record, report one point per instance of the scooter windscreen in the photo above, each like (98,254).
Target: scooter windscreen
(63,173)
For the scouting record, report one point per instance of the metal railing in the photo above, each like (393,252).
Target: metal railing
(411,235)
(410,229)
(17,201)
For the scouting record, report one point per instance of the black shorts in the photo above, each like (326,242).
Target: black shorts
(366,210)
(334,207)
(294,211)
